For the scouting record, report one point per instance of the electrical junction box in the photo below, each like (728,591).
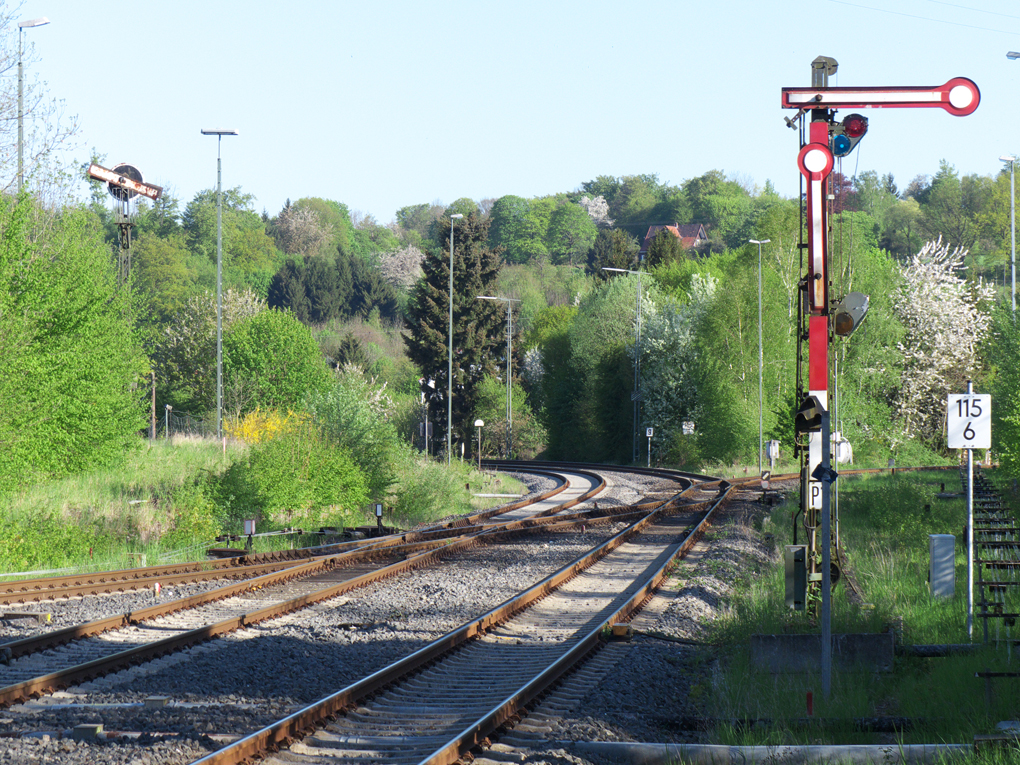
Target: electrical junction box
(942,565)
(796,577)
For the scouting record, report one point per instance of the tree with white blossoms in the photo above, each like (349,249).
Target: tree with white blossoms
(300,231)
(945,325)
(667,354)
(597,209)
(402,268)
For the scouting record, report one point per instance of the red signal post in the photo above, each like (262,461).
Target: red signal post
(827,138)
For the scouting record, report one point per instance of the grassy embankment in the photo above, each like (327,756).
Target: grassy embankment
(163,501)
(884,527)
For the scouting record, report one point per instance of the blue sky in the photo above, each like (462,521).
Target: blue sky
(383,104)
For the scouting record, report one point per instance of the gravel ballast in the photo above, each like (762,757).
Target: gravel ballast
(245,680)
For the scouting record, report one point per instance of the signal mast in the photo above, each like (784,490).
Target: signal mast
(809,566)
(124,182)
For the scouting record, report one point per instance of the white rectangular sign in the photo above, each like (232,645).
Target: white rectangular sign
(969,421)
(814,495)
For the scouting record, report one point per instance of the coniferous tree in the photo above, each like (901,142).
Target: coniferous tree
(287,290)
(664,248)
(613,247)
(479,333)
(322,289)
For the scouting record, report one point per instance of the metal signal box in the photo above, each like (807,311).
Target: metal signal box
(942,565)
(796,577)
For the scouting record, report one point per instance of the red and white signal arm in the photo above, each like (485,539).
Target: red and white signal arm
(969,421)
(960,97)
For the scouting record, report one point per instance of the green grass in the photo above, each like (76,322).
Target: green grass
(160,502)
(884,527)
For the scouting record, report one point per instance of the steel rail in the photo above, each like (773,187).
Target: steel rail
(19,591)
(420,553)
(517,701)
(122,659)
(395,546)
(297,724)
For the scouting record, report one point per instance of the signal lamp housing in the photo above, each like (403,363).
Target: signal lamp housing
(847,133)
(850,313)
(809,416)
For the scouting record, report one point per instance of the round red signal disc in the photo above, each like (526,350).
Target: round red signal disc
(960,96)
(815,161)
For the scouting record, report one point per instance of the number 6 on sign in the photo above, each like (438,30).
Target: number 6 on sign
(969,421)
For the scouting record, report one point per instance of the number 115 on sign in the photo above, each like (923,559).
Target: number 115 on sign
(969,421)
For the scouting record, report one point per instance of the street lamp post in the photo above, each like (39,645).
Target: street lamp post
(449,370)
(23,25)
(761,357)
(219,277)
(509,367)
(636,395)
(1012,227)
(479,424)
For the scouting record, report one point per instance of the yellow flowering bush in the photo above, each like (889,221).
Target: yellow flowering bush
(263,425)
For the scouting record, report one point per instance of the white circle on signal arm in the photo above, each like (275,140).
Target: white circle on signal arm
(961,96)
(815,160)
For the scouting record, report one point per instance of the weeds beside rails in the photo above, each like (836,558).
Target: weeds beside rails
(884,523)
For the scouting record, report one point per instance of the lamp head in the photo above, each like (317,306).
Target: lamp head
(41,22)
(219,132)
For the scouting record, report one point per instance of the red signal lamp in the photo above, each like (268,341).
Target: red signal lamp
(847,133)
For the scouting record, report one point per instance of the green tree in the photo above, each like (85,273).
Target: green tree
(287,289)
(163,273)
(416,219)
(1002,350)
(161,218)
(355,415)
(478,327)
(615,248)
(901,229)
(69,352)
(276,358)
(527,433)
(664,248)
(605,186)
(517,230)
(590,376)
(571,233)
(184,352)
(250,257)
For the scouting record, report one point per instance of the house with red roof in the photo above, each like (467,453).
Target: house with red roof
(689,234)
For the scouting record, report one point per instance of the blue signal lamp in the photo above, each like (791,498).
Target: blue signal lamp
(847,134)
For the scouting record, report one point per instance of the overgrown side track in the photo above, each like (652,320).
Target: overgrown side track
(185,622)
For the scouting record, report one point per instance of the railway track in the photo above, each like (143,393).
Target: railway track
(250,565)
(82,651)
(446,698)
(413,551)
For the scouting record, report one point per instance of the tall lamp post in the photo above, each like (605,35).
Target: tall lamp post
(449,369)
(1012,227)
(636,395)
(219,277)
(22,26)
(509,367)
(761,357)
